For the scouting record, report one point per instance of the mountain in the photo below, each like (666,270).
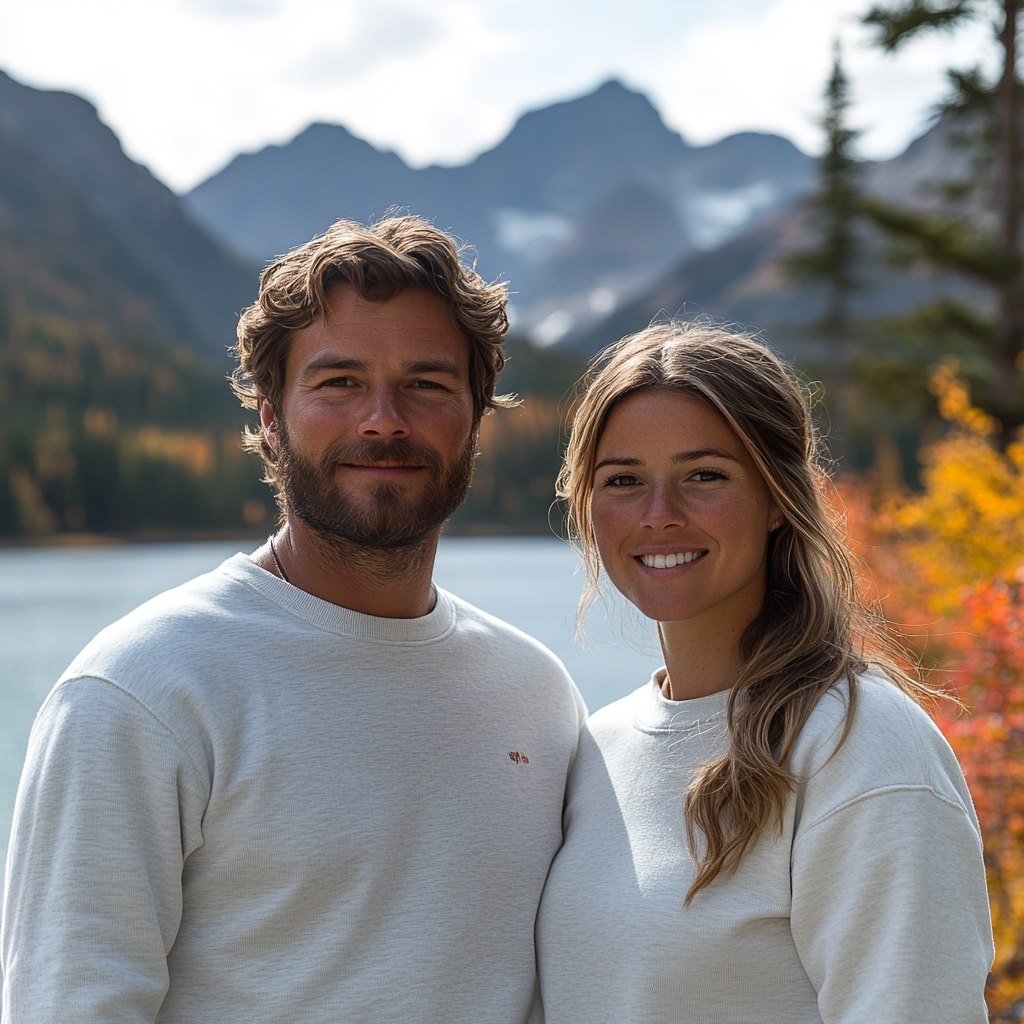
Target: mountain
(115,312)
(581,207)
(744,280)
(90,235)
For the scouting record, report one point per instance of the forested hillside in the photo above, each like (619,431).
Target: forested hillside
(115,316)
(70,197)
(116,311)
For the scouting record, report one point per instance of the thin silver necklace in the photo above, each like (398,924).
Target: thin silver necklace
(280,571)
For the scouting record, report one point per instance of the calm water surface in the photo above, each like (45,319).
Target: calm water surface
(53,601)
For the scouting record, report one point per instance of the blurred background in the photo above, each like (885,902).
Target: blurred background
(841,178)
(614,163)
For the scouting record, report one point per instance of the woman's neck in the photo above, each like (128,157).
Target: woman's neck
(700,659)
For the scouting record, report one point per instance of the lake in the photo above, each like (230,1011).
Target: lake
(54,600)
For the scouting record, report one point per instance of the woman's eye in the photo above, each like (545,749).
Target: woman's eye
(621,480)
(707,476)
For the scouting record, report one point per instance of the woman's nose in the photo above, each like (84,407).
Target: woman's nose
(664,508)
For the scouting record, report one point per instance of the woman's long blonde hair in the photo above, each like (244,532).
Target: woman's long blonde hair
(813,630)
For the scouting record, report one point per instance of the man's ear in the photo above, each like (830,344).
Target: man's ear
(268,421)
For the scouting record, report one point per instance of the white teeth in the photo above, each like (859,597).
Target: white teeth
(669,561)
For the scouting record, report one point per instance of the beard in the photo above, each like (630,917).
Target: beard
(386,519)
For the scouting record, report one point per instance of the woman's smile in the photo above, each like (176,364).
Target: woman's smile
(671,560)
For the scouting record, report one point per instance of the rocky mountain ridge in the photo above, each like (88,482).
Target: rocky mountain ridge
(581,207)
(744,281)
(91,237)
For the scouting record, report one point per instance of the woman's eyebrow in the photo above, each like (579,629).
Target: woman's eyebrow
(703,453)
(692,456)
(618,460)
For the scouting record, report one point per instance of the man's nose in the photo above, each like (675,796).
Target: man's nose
(384,418)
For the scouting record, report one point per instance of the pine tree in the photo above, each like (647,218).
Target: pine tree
(833,212)
(979,234)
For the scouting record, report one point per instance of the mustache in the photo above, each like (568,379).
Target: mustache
(400,451)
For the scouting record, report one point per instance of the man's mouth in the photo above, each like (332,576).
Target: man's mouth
(381,471)
(670,561)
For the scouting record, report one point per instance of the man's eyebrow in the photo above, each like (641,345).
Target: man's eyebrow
(339,363)
(445,366)
(330,362)
(699,453)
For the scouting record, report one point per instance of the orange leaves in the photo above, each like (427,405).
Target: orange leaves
(987,670)
(950,559)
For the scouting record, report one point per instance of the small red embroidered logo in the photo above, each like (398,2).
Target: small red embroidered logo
(514,755)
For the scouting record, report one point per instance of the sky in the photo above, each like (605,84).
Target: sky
(188,84)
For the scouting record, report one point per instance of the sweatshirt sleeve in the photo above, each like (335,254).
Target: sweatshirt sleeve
(890,910)
(108,808)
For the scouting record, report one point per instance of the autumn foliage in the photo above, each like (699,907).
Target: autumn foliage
(947,564)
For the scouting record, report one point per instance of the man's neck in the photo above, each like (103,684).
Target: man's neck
(393,583)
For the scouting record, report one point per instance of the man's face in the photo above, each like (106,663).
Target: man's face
(376,435)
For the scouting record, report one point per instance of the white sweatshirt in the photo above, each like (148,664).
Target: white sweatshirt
(245,804)
(869,908)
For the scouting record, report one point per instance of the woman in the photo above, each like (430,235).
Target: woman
(770,831)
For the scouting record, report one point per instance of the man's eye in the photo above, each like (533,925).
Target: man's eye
(336,382)
(427,384)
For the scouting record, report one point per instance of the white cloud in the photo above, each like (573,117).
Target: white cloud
(235,8)
(187,84)
(380,34)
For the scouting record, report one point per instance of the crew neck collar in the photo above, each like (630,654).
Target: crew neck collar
(655,713)
(333,618)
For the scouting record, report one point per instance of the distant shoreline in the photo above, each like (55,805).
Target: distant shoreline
(97,540)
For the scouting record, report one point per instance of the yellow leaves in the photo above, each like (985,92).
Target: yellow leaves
(954,398)
(99,422)
(196,452)
(968,522)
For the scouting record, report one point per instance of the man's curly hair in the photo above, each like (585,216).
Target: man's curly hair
(380,261)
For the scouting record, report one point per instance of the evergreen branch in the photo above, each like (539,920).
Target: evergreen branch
(948,316)
(970,94)
(898,24)
(947,242)
(835,206)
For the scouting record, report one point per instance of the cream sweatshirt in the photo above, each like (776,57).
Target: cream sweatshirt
(244,804)
(870,907)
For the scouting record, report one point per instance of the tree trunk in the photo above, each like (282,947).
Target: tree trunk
(1011,297)
(840,401)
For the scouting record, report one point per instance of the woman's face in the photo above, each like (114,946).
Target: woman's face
(680,513)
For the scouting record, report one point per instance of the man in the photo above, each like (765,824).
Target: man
(309,786)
